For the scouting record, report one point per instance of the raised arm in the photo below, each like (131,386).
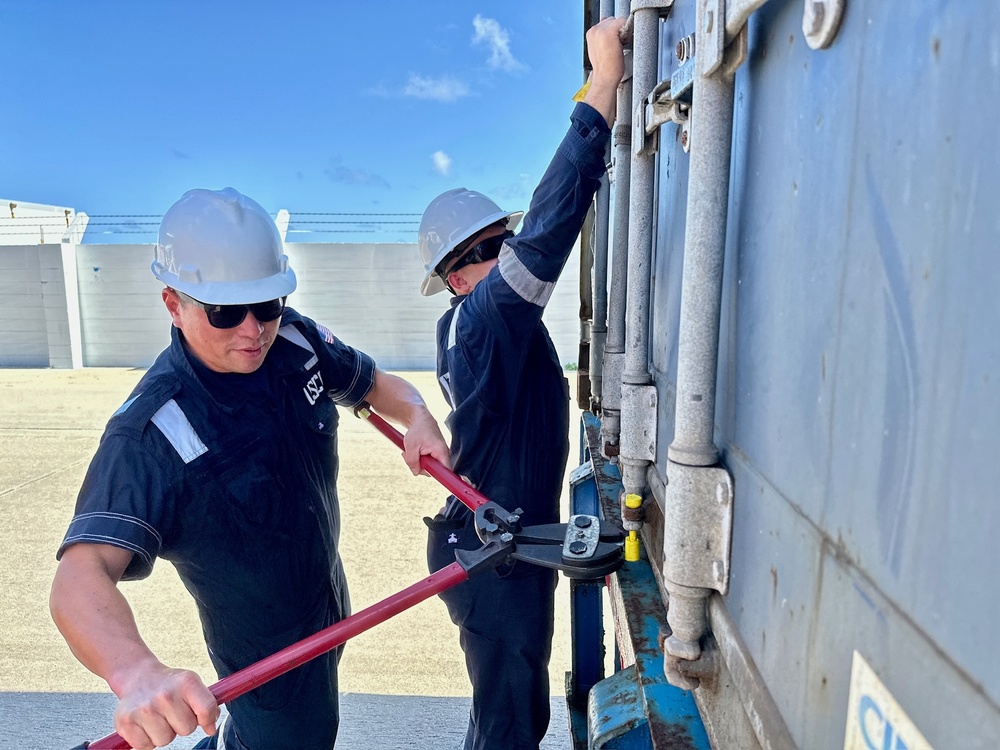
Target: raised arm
(156,702)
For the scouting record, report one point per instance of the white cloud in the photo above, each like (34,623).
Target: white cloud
(337,172)
(442,162)
(495,36)
(443,89)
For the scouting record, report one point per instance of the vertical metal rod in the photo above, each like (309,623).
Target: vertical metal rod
(640,215)
(704,250)
(586,312)
(698,338)
(599,325)
(640,233)
(614,348)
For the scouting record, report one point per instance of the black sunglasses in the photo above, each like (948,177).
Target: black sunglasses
(230,316)
(482,251)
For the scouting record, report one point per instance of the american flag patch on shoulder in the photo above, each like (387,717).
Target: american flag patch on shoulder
(327,335)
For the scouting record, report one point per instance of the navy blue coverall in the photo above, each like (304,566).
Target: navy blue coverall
(509,424)
(232,478)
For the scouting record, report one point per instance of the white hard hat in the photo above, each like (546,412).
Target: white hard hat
(223,248)
(449,219)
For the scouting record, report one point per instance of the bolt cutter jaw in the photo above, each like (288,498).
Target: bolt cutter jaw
(607,559)
(585,547)
(493,520)
(490,555)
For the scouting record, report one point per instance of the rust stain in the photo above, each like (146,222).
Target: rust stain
(672,737)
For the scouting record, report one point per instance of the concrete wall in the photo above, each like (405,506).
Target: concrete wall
(122,319)
(367,294)
(34,325)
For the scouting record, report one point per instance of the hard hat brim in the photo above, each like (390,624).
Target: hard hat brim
(231,293)
(433,283)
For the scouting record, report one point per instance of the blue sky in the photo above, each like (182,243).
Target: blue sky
(116,107)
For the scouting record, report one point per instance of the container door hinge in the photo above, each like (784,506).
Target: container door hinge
(638,433)
(698,526)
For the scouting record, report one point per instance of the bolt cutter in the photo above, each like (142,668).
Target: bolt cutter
(586,547)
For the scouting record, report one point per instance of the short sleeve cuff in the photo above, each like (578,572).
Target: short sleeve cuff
(360,384)
(118,530)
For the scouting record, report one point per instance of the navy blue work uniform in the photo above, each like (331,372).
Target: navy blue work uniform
(509,424)
(232,478)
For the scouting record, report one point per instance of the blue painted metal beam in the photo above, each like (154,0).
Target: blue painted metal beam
(586,618)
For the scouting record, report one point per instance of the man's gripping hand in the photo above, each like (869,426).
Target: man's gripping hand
(604,47)
(424,438)
(157,703)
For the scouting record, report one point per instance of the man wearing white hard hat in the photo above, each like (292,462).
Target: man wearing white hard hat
(510,402)
(224,462)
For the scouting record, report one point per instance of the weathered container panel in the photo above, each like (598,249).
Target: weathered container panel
(859,360)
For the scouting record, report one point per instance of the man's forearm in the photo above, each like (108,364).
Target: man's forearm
(97,623)
(397,400)
(602,95)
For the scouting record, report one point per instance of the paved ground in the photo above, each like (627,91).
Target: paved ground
(404,683)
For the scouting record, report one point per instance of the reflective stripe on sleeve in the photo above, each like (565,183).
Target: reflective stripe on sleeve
(176,428)
(452,329)
(293,334)
(445,381)
(527,286)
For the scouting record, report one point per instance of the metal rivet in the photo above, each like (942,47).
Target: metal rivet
(718,571)
(721,494)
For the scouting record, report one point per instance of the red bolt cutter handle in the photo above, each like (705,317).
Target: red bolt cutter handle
(452,482)
(246,679)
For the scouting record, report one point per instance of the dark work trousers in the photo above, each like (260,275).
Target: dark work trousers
(505,621)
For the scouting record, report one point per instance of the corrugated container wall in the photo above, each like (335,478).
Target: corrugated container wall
(859,359)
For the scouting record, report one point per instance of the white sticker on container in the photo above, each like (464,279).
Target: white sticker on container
(875,721)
